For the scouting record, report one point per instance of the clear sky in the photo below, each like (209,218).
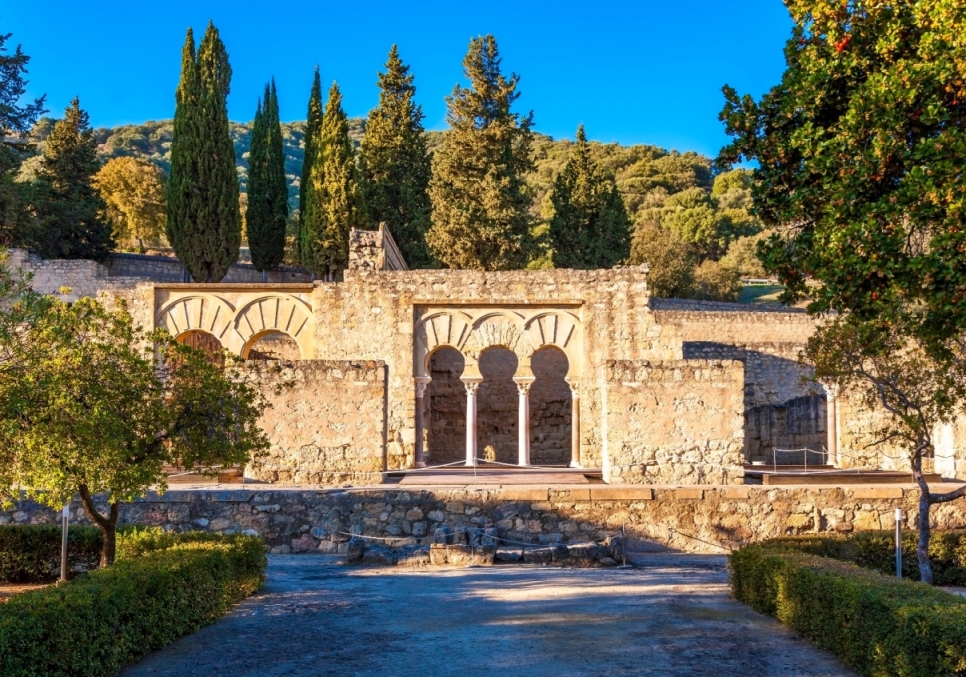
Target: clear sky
(638,71)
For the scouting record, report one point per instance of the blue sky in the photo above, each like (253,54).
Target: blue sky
(644,71)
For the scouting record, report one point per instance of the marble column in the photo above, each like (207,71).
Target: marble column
(832,424)
(471,388)
(421,383)
(523,422)
(574,425)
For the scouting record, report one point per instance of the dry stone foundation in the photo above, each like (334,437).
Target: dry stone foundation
(687,518)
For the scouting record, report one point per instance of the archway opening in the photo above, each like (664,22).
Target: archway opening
(445,420)
(550,408)
(206,342)
(273,345)
(497,405)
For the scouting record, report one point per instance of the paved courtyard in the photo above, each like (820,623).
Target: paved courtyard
(670,616)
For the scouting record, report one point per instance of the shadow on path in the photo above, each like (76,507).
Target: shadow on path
(671,616)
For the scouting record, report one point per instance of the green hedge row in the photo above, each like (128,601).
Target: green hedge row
(877,624)
(31,554)
(100,622)
(876,550)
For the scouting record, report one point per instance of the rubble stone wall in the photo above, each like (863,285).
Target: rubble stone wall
(674,422)
(692,519)
(328,427)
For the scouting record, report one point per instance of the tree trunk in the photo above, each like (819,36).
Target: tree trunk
(107,525)
(922,547)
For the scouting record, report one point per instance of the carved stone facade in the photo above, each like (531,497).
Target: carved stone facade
(401,369)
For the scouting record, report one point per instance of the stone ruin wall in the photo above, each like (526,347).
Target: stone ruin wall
(674,422)
(793,433)
(689,519)
(328,428)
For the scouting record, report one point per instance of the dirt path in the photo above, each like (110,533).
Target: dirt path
(315,617)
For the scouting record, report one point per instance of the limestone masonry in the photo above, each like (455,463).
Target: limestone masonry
(398,369)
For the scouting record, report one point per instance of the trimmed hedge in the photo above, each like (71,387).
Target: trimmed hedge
(876,624)
(876,550)
(31,554)
(111,617)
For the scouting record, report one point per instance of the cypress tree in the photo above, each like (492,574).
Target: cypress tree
(267,191)
(394,164)
(589,227)
(480,198)
(67,205)
(204,222)
(313,127)
(334,204)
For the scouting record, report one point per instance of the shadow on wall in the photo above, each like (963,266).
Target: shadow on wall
(781,408)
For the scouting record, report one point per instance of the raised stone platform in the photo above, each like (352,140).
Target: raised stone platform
(688,518)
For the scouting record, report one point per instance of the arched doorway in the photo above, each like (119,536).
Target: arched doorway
(202,340)
(550,408)
(273,345)
(497,405)
(445,418)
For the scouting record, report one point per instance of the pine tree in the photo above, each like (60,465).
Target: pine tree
(334,204)
(394,164)
(480,198)
(267,190)
(589,227)
(68,207)
(204,222)
(313,127)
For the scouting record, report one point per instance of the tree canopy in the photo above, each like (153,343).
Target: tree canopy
(204,221)
(134,192)
(395,165)
(480,197)
(105,405)
(859,152)
(589,227)
(267,192)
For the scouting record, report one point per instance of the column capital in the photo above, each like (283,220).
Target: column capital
(524,383)
(831,389)
(472,385)
(574,388)
(422,382)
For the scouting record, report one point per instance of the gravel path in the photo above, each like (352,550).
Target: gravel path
(671,616)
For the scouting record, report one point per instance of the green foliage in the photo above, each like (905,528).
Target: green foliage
(875,624)
(714,281)
(394,163)
(90,403)
(335,203)
(134,192)
(313,130)
(31,554)
(16,120)
(742,255)
(68,208)
(876,550)
(670,259)
(481,201)
(96,624)
(589,226)
(860,151)
(267,192)
(204,222)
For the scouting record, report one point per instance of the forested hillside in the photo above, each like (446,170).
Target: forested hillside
(644,174)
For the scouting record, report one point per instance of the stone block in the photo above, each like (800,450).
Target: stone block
(460,555)
(378,555)
(867,520)
(740,493)
(877,492)
(509,555)
(538,555)
(622,494)
(528,495)
(689,494)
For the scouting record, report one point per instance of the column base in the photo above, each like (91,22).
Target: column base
(574,464)
(420,464)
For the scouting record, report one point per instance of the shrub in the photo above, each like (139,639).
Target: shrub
(97,623)
(876,550)
(31,554)
(877,624)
